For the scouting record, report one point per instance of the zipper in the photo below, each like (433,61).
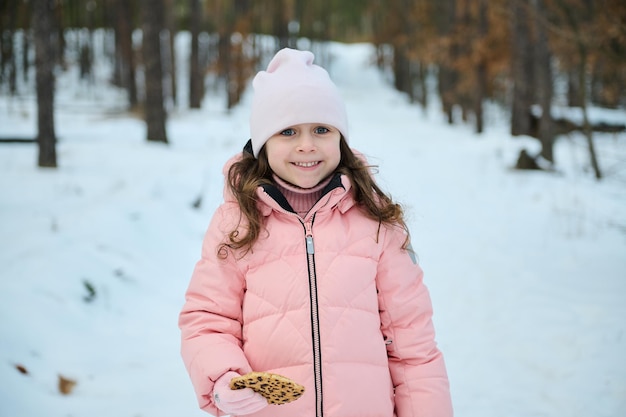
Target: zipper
(315,323)
(307,222)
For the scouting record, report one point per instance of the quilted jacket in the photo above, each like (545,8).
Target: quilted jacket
(331,301)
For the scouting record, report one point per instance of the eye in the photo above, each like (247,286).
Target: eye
(288,132)
(320,130)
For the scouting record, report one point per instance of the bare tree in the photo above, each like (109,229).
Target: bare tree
(281,22)
(481,66)
(579,24)
(402,63)
(153,22)
(44,35)
(543,75)
(521,68)
(234,65)
(448,76)
(8,60)
(169,58)
(125,57)
(196,84)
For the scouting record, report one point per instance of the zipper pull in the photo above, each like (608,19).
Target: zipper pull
(310,249)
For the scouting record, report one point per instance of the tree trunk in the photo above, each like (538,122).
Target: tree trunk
(8,60)
(447,76)
(60,43)
(464,39)
(124,44)
(233,63)
(170,61)
(403,64)
(86,45)
(153,18)
(575,21)
(196,80)
(582,83)
(281,27)
(422,87)
(573,89)
(225,63)
(481,67)
(401,71)
(607,84)
(543,74)
(521,69)
(27,40)
(43,12)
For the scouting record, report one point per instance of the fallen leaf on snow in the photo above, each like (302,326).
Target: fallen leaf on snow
(21,368)
(66,385)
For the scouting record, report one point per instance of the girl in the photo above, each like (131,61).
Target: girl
(306,270)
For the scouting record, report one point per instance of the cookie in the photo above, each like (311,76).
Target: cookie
(277,389)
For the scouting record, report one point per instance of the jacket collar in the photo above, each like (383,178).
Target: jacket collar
(336,193)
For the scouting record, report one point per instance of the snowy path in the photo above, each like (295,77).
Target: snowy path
(526,270)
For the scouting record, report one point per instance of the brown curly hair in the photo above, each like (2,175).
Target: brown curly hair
(248,173)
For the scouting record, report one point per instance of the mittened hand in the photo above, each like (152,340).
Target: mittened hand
(236,402)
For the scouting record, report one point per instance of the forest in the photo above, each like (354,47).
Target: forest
(118,116)
(524,55)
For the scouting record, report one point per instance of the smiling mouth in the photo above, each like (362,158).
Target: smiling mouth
(306,164)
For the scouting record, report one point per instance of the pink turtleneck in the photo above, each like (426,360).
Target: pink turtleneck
(301,199)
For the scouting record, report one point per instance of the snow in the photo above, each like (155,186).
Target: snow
(527,270)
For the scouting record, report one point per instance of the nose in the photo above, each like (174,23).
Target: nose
(306,142)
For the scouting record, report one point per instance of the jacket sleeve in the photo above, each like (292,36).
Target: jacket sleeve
(211,318)
(416,364)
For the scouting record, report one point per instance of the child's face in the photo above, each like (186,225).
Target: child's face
(304,154)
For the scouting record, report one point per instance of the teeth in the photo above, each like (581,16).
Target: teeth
(305,164)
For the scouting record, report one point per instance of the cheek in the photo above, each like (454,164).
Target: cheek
(273,155)
(272,162)
(277,159)
(334,154)
(335,162)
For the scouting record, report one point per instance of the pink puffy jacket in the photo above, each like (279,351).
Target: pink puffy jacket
(331,301)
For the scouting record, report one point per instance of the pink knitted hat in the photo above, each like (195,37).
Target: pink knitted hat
(293,90)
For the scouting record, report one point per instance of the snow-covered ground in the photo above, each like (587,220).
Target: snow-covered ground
(527,270)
